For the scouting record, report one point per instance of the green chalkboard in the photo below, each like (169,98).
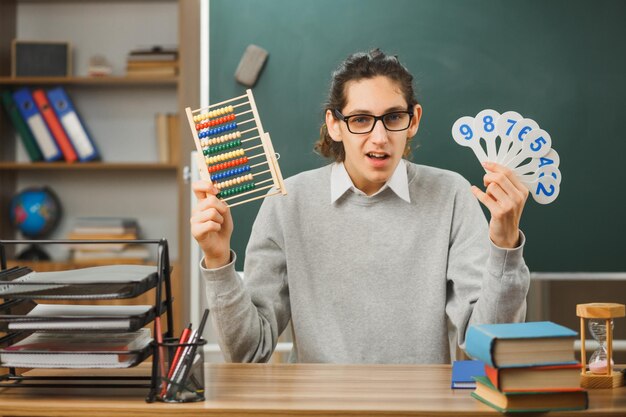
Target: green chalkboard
(559,62)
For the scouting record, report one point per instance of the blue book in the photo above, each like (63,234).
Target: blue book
(73,125)
(34,120)
(463,373)
(512,345)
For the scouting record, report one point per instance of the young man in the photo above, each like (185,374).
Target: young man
(372,258)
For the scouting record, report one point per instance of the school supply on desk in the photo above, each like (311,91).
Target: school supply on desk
(22,129)
(175,359)
(76,350)
(77,345)
(600,317)
(73,125)
(228,156)
(506,345)
(523,147)
(158,330)
(185,378)
(54,125)
(541,401)
(517,378)
(463,373)
(535,378)
(33,118)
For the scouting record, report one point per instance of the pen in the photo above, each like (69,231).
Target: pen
(184,337)
(188,358)
(186,349)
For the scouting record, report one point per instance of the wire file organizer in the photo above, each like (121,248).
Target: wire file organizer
(20,287)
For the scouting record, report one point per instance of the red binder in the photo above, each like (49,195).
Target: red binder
(39,96)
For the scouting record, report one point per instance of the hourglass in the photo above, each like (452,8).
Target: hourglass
(600,316)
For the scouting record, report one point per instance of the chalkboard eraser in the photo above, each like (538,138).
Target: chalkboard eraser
(250,66)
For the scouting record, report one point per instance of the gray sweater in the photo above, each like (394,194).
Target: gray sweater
(366,279)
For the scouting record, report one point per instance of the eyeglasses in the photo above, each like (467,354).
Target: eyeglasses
(394,121)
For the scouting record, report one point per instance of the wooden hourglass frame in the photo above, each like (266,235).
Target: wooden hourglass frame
(608,312)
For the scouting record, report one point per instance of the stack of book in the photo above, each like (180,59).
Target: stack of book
(107,228)
(155,61)
(529,367)
(49,126)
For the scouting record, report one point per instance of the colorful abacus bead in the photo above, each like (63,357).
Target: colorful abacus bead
(204,142)
(223,157)
(230,173)
(235,190)
(221,120)
(229,164)
(215,122)
(217,130)
(219,148)
(220,111)
(234,181)
(213,113)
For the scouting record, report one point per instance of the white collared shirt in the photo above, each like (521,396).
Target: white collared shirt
(340,182)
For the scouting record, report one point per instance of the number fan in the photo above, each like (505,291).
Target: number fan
(523,147)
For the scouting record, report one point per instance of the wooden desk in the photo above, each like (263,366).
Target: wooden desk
(284,389)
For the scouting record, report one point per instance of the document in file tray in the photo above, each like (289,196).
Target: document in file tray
(69,316)
(58,279)
(76,350)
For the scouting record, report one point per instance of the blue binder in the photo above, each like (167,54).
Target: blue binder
(30,113)
(73,125)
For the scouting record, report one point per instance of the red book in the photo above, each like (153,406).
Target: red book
(58,133)
(564,377)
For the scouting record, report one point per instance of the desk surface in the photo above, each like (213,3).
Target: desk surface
(289,389)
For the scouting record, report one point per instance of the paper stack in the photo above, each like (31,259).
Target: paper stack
(76,350)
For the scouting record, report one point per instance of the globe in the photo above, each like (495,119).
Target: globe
(35,212)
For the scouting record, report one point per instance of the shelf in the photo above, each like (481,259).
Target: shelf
(91,81)
(97,166)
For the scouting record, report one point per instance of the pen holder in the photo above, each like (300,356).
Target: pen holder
(181,371)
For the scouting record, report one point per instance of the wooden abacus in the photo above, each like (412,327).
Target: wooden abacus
(224,150)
